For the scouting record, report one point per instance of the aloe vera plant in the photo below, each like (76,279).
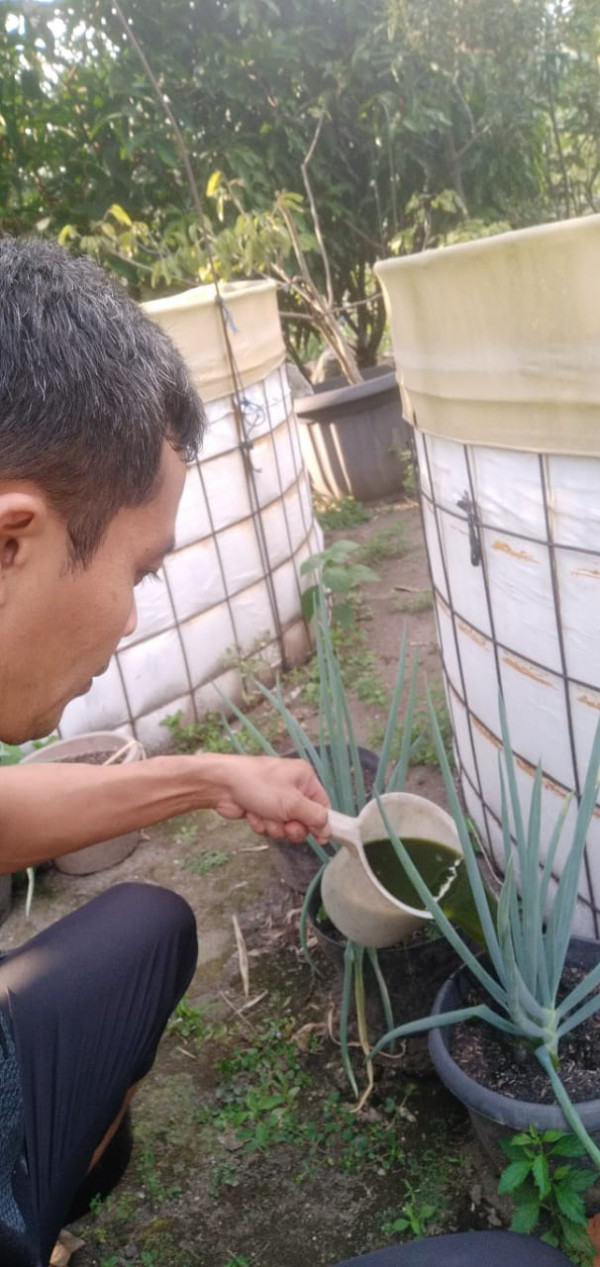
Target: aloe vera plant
(527,943)
(335,758)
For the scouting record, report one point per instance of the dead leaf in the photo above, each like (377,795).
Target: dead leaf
(593,1228)
(65,1247)
(242,956)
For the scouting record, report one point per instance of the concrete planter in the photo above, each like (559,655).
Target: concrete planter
(107,853)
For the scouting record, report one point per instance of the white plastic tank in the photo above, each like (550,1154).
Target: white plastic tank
(497,345)
(232,586)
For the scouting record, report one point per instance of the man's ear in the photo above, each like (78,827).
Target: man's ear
(23,518)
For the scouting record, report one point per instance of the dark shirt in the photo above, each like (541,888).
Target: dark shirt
(18,1238)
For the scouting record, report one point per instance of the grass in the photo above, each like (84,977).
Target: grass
(386,543)
(413,603)
(203,863)
(264,1099)
(346,512)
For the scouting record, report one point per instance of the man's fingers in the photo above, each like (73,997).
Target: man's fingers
(313,816)
(257,824)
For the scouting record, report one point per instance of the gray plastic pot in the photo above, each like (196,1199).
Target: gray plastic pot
(108,853)
(494,1116)
(352,436)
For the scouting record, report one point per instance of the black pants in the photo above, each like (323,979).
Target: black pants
(467,1249)
(88,1000)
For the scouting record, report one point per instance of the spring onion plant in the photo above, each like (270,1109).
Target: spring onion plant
(335,758)
(527,943)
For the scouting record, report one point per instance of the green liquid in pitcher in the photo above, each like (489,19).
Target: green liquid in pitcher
(437,864)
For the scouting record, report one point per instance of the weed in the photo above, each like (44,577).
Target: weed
(151,1180)
(410,473)
(358,667)
(547,1189)
(207,735)
(202,863)
(343,513)
(413,603)
(422,746)
(251,665)
(195,1023)
(339,575)
(264,1098)
(238,1260)
(415,1218)
(387,543)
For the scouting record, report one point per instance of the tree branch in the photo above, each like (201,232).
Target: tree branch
(313,207)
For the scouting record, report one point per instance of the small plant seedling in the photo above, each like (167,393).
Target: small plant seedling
(546,1188)
(194,1023)
(340,572)
(203,863)
(415,1218)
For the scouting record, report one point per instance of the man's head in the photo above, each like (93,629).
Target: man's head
(97,416)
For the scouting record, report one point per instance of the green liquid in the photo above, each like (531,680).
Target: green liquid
(436,863)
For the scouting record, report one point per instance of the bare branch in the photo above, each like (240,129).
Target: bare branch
(313,207)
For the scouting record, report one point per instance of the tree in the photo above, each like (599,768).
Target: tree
(423,121)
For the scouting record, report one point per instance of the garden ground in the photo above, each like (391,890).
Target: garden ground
(248,1152)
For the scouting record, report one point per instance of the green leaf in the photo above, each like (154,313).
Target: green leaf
(514,1175)
(570,1204)
(526,1217)
(541,1174)
(564,1145)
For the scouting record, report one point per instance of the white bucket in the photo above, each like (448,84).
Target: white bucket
(497,345)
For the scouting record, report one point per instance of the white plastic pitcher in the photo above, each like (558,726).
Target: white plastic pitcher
(356,902)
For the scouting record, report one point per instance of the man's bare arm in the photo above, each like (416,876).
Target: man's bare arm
(49,810)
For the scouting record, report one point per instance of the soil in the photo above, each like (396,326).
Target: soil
(90,758)
(203,1192)
(498,1063)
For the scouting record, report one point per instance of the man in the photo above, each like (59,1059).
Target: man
(97,417)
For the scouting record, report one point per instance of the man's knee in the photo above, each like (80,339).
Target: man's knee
(153,911)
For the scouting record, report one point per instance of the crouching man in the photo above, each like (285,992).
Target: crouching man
(97,418)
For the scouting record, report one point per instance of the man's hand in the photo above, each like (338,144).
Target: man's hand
(279,798)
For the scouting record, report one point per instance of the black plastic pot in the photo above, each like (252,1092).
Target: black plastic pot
(495,1116)
(5,896)
(413,972)
(298,864)
(353,437)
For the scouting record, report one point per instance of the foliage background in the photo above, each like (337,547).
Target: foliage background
(440,120)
